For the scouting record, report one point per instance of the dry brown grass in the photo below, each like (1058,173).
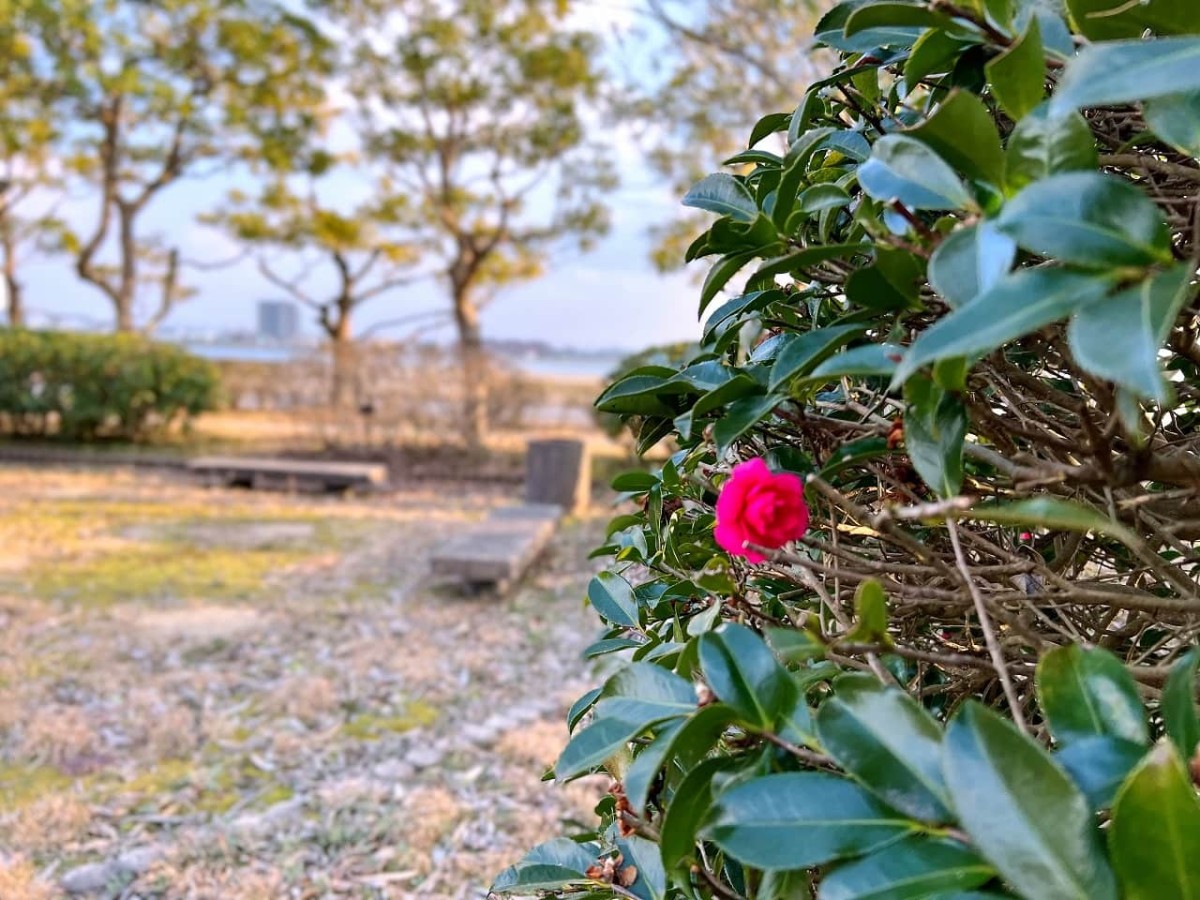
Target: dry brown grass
(54,822)
(536,745)
(309,698)
(59,735)
(430,814)
(19,881)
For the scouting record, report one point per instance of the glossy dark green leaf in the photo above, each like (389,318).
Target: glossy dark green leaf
(963,133)
(768,125)
(1042,145)
(798,260)
(733,311)
(609,645)
(1110,20)
(1018,304)
(595,744)
(800,353)
(823,196)
(720,274)
(1098,765)
(1175,118)
(612,597)
(637,393)
(643,857)
(878,360)
(915,868)
(548,867)
(646,693)
(683,744)
(1022,812)
(935,427)
(969,261)
(800,819)
(885,740)
(640,775)
(1119,72)
(1050,513)
(1018,75)
(1088,219)
(935,53)
(1137,319)
(870,288)
(741,416)
(725,195)
(1178,707)
(794,645)
(1088,693)
(903,168)
(830,30)
(688,808)
(581,707)
(893,15)
(744,673)
(1154,838)
(853,453)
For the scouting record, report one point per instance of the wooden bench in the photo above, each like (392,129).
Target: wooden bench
(288,474)
(495,554)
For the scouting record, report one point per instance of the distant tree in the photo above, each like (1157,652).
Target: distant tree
(363,245)
(723,62)
(29,176)
(477,110)
(154,92)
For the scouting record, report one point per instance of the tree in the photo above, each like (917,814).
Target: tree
(154,92)
(365,247)
(29,181)
(910,609)
(477,111)
(721,61)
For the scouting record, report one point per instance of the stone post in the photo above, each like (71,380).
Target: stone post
(559,471)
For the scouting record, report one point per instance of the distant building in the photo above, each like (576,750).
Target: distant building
(278,320)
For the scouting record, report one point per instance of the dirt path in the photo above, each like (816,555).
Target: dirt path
(210,694)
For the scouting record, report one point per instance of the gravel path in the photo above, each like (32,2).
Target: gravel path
(209,694)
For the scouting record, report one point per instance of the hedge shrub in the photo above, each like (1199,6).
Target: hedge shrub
(85,387)
(961,662)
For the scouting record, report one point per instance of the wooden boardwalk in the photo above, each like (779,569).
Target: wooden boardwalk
(495,553)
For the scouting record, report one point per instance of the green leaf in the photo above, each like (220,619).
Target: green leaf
(1154,838)
(884,739)
(1176,119)
(878,360)
(800,259)
(963,133)
(823,196)
(720,274)
(904,169)
(594,745)
(1119,72)
(744,673)
(1023,814)
(1178,707)
(1018,304)
(1018,75)
(830,31)
(643,856)
(741,416)
(640,775)
(800,353)
(548,867)
(871,289)
(969,261)
(1050,513)
(1108,20)
(935,427)
(1088,693)
(725,195)
(1088,219)
(800,819)
(870,613)
(915,868)
(581,706)
(853,453)
(1043,145)
(793,645)
(768,125)
(612,597)
(889,15)
(688,808)
(1099,766)
(1138,320)
(646,693)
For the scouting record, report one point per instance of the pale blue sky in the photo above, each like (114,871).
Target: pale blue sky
(609,298)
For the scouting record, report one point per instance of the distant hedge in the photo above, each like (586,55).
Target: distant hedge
(88,387)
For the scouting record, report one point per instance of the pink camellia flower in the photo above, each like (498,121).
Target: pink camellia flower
(761,508)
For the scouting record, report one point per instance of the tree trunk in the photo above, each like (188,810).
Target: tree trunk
(127,285)
(343,386)
(16,299)
(474,370)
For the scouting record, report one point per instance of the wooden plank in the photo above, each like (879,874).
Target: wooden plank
(288,474)
(496,552)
